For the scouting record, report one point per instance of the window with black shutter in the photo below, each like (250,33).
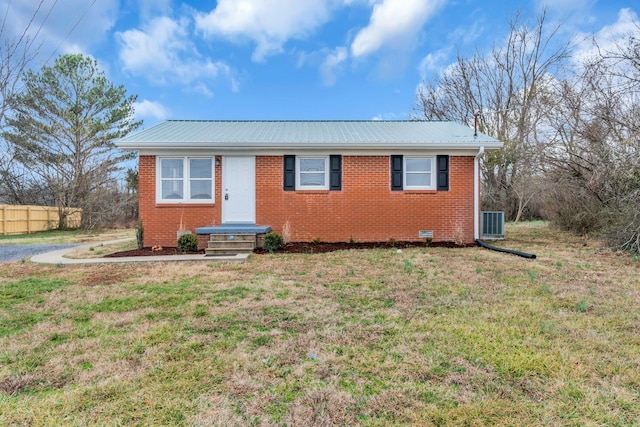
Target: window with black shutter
(420,173)
(312,173)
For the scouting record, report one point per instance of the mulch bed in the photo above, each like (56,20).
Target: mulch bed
(150,252)
(316,248)
(299,248)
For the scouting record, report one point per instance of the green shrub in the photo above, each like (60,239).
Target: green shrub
(272,242)
(188,243)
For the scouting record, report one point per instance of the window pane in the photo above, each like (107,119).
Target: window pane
(171,168)
(201,189)
(200,168)
(312,165)
(172,189)
(418,180)
(311,179)
(418,165)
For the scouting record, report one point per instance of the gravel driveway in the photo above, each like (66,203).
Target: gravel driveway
(17,252)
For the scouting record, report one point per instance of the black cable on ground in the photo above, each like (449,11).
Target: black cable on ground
(508,251)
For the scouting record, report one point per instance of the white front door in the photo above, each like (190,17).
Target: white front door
(239,190)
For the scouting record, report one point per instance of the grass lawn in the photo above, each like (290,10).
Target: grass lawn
(100,250)
(429,336)
(67,236)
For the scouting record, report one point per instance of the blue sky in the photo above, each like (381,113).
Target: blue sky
(286,59)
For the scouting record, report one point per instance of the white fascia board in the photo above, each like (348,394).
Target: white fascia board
(300,151)
(278,149)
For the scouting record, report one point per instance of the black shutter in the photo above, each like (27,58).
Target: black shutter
(396,173)
(289,173)
(335,173)
(443,173)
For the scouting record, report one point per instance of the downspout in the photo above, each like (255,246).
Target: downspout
(476,211)
(476,194)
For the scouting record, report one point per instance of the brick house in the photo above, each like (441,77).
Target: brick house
(327,180)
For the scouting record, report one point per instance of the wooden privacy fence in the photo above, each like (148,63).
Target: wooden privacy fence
(16,219)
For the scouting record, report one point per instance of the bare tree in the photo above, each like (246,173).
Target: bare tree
(16,55)
(504,88)
(594,163)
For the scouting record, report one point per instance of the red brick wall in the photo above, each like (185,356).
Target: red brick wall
(366,209)
(162,221)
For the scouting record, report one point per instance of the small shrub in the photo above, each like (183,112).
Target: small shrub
(272,242)
(140,235)
(188,243)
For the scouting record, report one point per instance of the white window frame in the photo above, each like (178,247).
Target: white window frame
(299,186)
(431,174)
(186,179)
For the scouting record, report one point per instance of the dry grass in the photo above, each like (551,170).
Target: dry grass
(431,336)
(100,250)
(69,236)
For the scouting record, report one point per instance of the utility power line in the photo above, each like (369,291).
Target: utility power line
(70,31)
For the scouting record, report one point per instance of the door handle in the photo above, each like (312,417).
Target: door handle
(226,196)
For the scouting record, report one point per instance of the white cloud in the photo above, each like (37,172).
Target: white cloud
(468,33)
(388,116)
(393,23)
(162,52)
(331,65)
(463,35)
(202,89)
(155,49)
(268,23)
(151,109)
(151,8)
(433,62)
(608,37)
(71,26)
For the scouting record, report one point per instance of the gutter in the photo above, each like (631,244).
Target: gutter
(266,146)
(476,194)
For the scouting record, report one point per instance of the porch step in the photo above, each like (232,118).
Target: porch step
(231,243)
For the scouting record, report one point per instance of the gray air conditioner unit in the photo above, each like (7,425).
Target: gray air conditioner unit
(492,225)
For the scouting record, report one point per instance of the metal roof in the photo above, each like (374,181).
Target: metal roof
(257,135)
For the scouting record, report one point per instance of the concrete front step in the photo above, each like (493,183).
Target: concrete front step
(226,251)
(231,243)
(234,229)
(232,237)
(233,232)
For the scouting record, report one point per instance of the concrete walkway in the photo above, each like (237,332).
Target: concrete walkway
(57,257)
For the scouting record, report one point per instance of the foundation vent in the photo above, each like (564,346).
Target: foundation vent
(425,234)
